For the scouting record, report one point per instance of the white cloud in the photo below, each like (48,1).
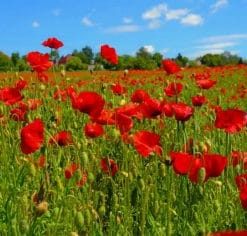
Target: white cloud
(123,29)
(149,48)
(176,14)
(223,38)
(155,12)
(127,20)
(218,5)
(154,24)
(222,45)
(192,20)
(56,12)
(35,24)
(87,22)
(162,11)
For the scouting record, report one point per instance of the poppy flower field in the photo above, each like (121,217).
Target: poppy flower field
(159,152)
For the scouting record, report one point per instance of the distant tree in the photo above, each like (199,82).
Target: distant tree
(75,63)
(181,60)
(157,57)
(22,65)
(142,52)
(5,62)
(15,57)
(89,55)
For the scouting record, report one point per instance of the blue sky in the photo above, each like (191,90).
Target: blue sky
(191,27)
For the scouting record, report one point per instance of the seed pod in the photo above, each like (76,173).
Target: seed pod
(74,234)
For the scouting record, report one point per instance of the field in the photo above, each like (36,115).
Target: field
(114,161)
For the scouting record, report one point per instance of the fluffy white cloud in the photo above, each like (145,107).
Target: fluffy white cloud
(149,48)
(127,28)
(192,20)
(87,22)
(218,5)
(224,38)
(155,12)
(35,24)
(176,14)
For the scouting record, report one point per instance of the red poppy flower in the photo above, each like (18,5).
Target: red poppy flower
(118,89)
(33,103)
(70,170)
(32,136)
(205,83)
(230,233)
(10,96)
(52,43)
(109,166)
(231,120)
(60,95)
(131,110)
(173,89)
(20,84)
(167,109)
(184,163)
(182,111)
(241,181)
(38,61)
(42,77)
(90,103)
(83,180)
(139,96)
(239,157)
(18,114)
(93,130)
(62,138)
(170,66)
(151,108)
(198,100)
(181,162)
(41,162)
(123,122)
(214,164)
(109,54)
(146,143)
(106,117)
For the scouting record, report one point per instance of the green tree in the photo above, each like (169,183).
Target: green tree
(181,60)
(75,63)
(15,57)
(89,55)
(157,57)
(5,62)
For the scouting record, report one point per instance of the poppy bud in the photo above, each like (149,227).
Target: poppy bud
(74,234)
(42,208)
(87,217)
(122,102)
(79,220)
(63,73)
(24,226)
(42,87)
(84,159)
(102,211)
(162,170)
(201,175)
(141,184)
(32,169)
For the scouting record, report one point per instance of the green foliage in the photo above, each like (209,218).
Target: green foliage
(181,60)
(5,62)
(74,63)
(225,58)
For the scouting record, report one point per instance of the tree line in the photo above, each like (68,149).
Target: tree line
(143,60)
